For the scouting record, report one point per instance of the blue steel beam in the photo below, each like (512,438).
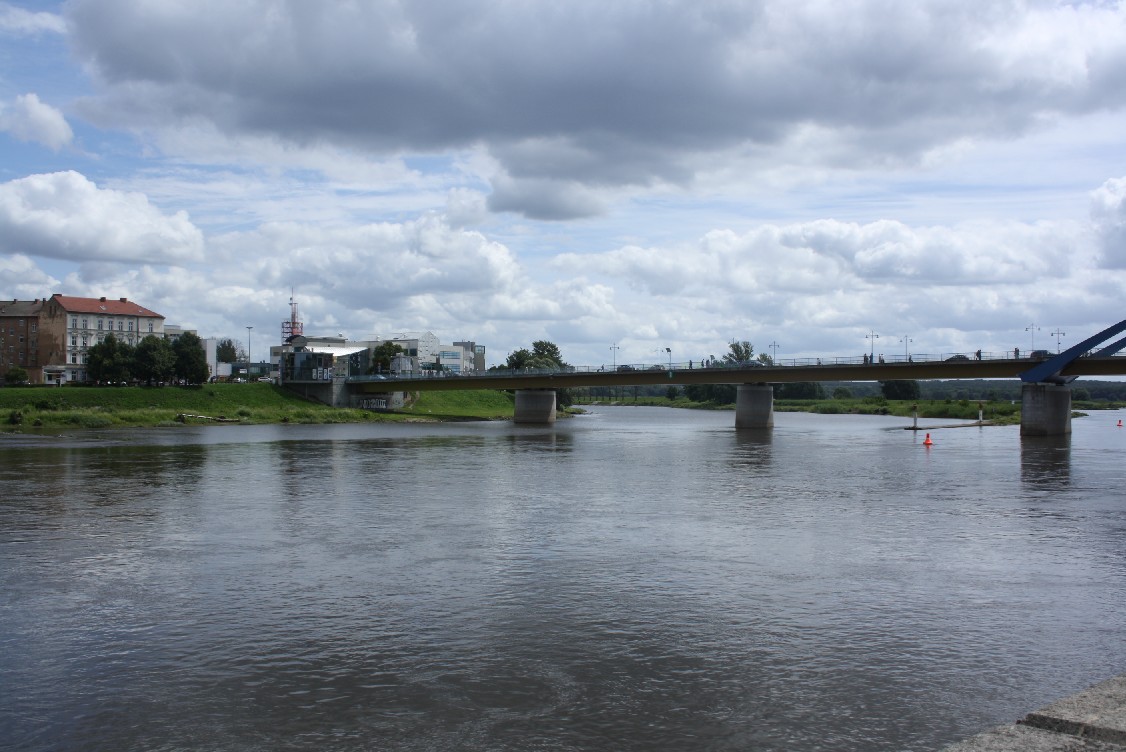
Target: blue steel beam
(1049,370)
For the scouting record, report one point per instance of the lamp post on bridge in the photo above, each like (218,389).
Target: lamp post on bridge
(248,353)
(774,349)
(1058,334)
(873,337)
(669,351)
(1032,329)
(906,341)
(614,349)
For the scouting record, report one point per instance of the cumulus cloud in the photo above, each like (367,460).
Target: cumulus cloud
(587,95)
(29,119)
(23,279)
(19,21)
(63,215)
(1108,210)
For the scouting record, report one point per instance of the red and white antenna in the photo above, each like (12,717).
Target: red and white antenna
(293,327)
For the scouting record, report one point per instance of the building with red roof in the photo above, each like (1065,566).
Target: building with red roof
(69,326)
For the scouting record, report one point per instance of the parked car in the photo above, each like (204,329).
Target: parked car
(265,379)
(1039,355)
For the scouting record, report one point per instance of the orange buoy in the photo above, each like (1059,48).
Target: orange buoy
(927,441)
(1120,422)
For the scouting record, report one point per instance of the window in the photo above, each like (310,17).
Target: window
(34,327)
(73,322)
(119,325)
(150,326)
(73,341)
(85,323)
(130,326)
(85,341)
(99,325)
(73,359)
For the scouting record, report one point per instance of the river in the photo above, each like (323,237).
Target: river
(631,579)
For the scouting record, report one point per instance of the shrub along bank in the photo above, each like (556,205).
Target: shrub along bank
(131,406)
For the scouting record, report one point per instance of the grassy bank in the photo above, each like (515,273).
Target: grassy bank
(108,407)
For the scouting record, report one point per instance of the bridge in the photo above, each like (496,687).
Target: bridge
(1045,398)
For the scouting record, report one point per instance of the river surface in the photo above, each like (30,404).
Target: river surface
(631,579)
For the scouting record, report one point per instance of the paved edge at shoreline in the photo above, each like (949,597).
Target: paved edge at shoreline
(1094,719)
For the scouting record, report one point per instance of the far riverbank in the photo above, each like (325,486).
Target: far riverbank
(62,408)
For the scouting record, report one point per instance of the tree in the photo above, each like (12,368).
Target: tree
(547,351)
(741,352)
(110,361)
(801,390)
(226,351)
(900,389)
(672,393)
(719,394)
(190,359)
(154,360)
(842,392)
(382,356)
(16,375)
(544,355)
(518,359)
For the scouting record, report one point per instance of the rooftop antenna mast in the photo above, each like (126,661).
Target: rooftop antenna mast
(293,327)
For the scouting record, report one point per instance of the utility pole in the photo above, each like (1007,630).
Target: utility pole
(614,349)
(1032,329)
(906,341)
(774,349)
(248,353)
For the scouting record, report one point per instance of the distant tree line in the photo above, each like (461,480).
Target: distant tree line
(151,361)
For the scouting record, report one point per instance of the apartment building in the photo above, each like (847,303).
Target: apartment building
(19,338)
(69,326)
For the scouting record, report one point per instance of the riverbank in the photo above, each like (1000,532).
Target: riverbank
(1094,719)
(60,408)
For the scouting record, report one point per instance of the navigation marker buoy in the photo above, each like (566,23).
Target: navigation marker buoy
(927,441)
(1120,422)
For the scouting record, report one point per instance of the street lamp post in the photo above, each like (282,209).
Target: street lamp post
(1058,334)
(669,351)
(873,337)
(906,341)
(774,349)
(614,349)
(248,353)
(1032,329)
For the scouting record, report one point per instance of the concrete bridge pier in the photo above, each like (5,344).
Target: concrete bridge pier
(754,406)
(534,406)
(1045,410)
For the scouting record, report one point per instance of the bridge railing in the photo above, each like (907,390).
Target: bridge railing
(857,360)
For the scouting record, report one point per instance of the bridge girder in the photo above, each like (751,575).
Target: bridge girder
(958,369)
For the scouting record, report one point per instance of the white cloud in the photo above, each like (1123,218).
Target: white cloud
(588,95)
(63,215)
(1108,210)
(19,21)
(23,279)
(29,119)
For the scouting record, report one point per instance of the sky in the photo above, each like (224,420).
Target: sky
(624,178)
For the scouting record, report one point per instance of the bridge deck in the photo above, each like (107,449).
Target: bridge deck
(945,369)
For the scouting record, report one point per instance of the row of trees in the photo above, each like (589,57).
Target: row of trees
(153,360)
